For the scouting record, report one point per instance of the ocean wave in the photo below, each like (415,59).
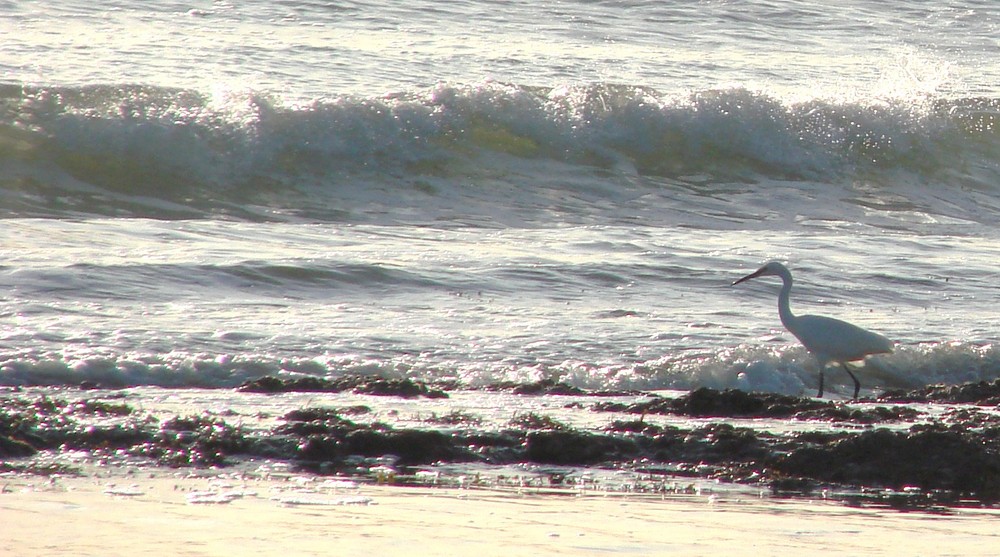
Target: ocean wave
(167,282)
(170,153)
(792,371)
(788,371)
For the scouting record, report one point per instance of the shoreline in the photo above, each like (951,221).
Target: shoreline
(175,514)
(918,456)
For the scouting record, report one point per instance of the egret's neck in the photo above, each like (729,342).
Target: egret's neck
(784,310)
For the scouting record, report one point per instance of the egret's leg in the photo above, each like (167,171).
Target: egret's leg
(821,368)
(857,384)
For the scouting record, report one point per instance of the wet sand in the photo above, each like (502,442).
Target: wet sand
(180,514)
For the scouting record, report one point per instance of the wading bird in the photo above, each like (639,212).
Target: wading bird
(828,339)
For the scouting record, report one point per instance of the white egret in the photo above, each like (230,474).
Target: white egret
(828,339)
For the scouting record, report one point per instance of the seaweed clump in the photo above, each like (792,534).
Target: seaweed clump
(358,384)
(328,441)
(734,403)
(730,403)
(199,441)
(45,423)
(982,393)
(931,458)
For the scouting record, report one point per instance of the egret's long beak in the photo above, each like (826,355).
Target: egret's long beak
(754,274)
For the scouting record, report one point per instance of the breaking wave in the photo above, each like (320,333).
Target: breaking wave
(172,153)
(787,371)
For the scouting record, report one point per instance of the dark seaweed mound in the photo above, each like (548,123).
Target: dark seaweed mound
(982,393)
(730,403)
(359,384)
(929,458)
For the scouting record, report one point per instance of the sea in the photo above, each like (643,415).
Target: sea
(199,194)
(195,194)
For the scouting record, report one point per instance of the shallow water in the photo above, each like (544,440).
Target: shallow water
(211,304)
(723,445)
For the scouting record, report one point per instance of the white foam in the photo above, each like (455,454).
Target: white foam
(294,501)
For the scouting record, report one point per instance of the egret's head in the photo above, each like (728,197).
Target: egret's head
(771,268)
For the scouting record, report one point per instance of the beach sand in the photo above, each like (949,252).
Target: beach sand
(181,514)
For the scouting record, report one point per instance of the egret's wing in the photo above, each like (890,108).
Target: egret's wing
(838,340)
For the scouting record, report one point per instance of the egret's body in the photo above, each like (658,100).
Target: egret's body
(828,339)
